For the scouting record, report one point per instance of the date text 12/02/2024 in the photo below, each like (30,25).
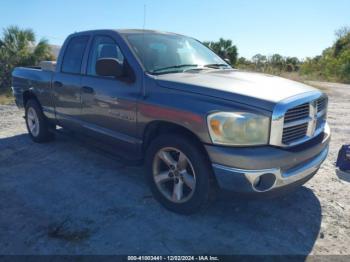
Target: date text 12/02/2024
(173,258)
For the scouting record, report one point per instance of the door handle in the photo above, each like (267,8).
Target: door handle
(57,84)
(87,89)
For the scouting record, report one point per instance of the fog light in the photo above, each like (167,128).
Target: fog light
(256,182)
(264,182)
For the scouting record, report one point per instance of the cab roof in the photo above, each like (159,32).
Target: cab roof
(127,31)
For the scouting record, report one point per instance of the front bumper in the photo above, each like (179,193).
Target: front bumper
(268,168)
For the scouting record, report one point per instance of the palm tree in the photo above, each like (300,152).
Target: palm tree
(18,47)
(225,49)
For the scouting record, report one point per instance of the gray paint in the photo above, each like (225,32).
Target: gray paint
(119,112)
(242,87)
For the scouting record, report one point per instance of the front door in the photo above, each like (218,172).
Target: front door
(109,104)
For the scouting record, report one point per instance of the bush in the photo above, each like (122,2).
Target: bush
(334,63)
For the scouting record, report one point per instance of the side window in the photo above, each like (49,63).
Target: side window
(73,55)
(103,47)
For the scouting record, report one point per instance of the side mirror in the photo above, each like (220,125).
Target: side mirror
(109,67)
(227,61)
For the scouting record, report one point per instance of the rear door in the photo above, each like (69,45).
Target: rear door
(67,81)
(109,104)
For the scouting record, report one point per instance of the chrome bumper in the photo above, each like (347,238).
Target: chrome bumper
(265,180)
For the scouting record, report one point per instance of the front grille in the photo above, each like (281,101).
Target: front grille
(293,133)
(297,113)
(297,120)
(321,104)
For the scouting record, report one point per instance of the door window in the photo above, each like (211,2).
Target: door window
(74,54)
(103,47)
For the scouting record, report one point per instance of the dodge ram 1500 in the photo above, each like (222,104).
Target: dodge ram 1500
(195,122)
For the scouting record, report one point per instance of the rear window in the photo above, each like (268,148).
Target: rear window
(73,55)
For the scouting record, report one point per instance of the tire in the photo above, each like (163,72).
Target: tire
(39,128)
(195,178)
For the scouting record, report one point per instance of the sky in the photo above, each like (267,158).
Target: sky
(301,28)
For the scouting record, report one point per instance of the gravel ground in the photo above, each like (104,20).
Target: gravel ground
(69,198)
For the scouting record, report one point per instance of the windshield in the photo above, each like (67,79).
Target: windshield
(160,53)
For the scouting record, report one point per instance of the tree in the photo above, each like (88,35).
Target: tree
(292,64)
(277,61)
(334,63)
(343,31)
(244,64)
(342,43)
(260,62)
(18,47)
(243,61)
(225,49)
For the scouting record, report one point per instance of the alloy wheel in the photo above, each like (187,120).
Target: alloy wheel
(174,175)
(33,121)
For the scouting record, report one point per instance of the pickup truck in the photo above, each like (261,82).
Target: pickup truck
(168,101)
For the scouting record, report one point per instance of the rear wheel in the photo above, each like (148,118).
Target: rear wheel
(37,124)
(179,174)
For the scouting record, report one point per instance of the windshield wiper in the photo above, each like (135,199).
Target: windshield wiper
(174,66)
(216,65)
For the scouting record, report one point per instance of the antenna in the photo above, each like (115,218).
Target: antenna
(143,51)
(144,17)
(143,31)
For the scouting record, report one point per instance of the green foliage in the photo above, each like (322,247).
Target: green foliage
(274,64)
(225,49)
(334,63)
(18,47)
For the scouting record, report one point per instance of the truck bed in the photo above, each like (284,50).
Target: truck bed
(32,79)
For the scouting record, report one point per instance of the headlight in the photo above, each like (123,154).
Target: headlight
(238,128)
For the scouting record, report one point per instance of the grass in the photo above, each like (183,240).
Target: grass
(6,97)
(294,76)
(311,81)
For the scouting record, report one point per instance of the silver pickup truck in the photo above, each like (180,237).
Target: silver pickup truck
(195,122)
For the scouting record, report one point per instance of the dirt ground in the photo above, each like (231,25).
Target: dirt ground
(67,197)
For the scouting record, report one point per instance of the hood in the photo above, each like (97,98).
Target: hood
(256,89)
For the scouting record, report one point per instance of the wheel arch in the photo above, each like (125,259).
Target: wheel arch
(28,95)
(158,127)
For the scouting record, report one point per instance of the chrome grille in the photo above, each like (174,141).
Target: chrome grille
(321,112)
(297,113)
(321,104)
(296,120)
(293,133)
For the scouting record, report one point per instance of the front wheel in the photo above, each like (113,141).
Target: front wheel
(179,174)
(37,124)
